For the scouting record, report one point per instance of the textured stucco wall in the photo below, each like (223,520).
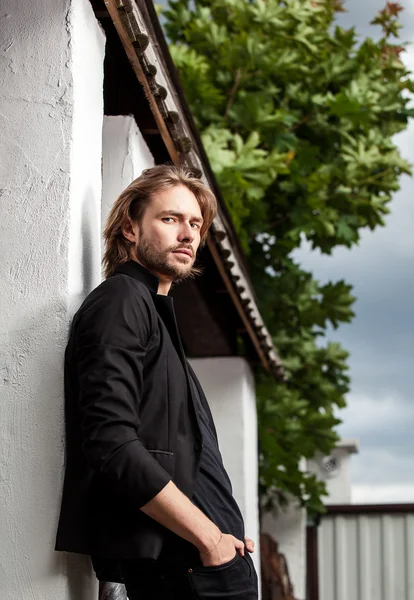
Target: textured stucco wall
(229,387)
(88,47)
(42,186)
(125,155)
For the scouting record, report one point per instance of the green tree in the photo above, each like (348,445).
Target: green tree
(297,117)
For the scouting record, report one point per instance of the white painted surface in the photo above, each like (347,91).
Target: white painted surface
(44,189)
(366,557)
(288,528)
(335,471)
(229,386)
(88,48)
(125,155)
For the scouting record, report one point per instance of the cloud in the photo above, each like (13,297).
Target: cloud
(382,494)
(381,337)
(360,14)
(393,242)
(385,435)
(380,410)
(384,418)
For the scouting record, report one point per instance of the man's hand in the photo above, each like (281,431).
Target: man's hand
(224,552)
(172,509)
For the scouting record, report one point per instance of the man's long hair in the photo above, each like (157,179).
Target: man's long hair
(132,202)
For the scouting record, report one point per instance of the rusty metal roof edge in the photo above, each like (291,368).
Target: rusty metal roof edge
(141,22)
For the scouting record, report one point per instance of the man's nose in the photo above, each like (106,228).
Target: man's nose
(186,234)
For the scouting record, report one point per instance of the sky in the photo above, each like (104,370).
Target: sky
(380,411)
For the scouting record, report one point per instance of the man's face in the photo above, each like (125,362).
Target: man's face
(168,236)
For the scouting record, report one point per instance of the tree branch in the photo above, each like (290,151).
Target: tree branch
(233,92)
(299,123)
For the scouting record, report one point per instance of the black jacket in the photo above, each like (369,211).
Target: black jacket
(131,425)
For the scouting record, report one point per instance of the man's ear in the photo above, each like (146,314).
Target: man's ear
(130,231)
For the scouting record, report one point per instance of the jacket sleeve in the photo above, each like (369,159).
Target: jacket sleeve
(111,339)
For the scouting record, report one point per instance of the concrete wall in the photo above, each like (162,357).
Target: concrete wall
(125,155)
(51,111)
(288,528)
(51,107)
(229,387)
(88,48)
(288,525)
(335,471)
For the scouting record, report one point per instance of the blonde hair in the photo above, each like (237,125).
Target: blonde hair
(132,202)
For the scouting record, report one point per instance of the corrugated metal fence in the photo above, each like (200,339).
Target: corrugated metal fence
(366,553)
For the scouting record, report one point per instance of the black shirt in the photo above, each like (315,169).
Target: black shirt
(129,427)
(213,492)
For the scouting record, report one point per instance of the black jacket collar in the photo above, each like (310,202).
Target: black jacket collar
(163,304)
(134,269)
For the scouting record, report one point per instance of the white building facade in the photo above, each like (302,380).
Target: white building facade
(288,526)
(56,149)
(50,177)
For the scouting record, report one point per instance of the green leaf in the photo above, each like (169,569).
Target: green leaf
(298,118)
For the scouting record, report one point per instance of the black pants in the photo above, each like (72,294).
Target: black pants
(178,579)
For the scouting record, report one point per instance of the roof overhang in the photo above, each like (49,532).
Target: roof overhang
(142,38)
(350,446)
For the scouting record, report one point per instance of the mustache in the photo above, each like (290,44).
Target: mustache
(182,247)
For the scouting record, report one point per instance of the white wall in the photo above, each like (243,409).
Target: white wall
(52,53)
(288,528)
(336,475)
(125,155)
(229,386)
(88,47)
(288,525)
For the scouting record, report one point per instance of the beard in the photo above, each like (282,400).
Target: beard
(160,262)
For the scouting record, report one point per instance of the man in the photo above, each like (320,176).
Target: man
(146,493)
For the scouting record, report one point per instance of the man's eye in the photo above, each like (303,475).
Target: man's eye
(167,219)
(195,225)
